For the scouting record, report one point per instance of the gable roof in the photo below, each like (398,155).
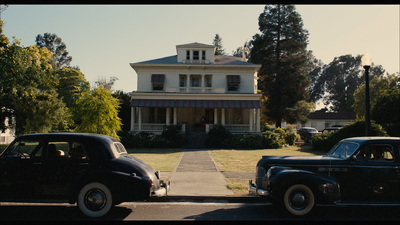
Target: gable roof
(319,115)
(195,45)
(219,60)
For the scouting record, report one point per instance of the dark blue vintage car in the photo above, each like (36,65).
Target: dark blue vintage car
(356,171)
(93,171)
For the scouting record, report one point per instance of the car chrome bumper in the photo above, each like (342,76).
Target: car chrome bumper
(163,191)
(254,190)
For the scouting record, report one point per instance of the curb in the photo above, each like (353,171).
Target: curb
(221,199)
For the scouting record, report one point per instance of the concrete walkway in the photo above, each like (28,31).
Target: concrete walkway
(197,175)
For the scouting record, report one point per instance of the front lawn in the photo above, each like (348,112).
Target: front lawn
(166,160)
(161,159)
(246,160)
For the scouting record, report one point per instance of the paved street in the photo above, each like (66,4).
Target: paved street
(191,211)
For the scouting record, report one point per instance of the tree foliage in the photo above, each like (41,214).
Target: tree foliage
(72,84)
(26,76)
(337,82)
(281,51)
(218,44)
(55,45)
(98,112)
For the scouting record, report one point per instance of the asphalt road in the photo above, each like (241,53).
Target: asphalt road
(190,211)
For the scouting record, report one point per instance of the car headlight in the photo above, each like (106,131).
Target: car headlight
(269,172)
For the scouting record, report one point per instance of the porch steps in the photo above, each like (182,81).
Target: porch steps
(195,140)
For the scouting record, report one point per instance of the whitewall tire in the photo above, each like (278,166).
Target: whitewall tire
(299,200)
(94,199)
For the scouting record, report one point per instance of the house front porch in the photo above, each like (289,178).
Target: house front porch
(238,116)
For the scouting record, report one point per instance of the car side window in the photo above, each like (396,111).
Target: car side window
(66,150)
(381,152)
(77,151)
(25,149)
(376,152)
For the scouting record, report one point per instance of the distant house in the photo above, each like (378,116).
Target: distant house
(321,119)
(196,89)
(8,135)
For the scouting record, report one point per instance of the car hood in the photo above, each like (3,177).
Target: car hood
(293,160)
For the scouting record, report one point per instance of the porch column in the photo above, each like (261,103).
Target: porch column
(140,119)
(215,116)
(175,116)
(132,118)
(223,117)
(188,83)
(258,120)
(251,119)
(167,120)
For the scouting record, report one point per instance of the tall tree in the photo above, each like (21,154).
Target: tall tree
(25,74)
(337,82)
(55,45)
(379,87)
(281,51)
(98,112)
(72,84)
(218,44)
(125,110)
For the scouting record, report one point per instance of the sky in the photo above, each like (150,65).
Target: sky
(104,39)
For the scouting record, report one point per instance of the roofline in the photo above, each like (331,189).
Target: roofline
(133,65)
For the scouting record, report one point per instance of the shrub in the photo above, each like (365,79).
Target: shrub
(244,141)
(172,134)
(216,136)
(356,129)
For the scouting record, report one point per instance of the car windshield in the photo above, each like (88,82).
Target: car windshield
(343,149)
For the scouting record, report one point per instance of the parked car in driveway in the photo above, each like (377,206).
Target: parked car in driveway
(356,171)
(306,133)
(93,171)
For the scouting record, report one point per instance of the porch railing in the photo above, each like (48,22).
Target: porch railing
(158,127)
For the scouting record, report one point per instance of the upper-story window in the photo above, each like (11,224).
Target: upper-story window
(233,82)
(158,82)
(187,54)
(182,80)
(196,55)
(203,55)
(208,81)
(195,81)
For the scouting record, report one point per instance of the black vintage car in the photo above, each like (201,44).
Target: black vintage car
(93,171)
(356,171)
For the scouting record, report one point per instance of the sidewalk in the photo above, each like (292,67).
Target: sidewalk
(197,178)
(197,175)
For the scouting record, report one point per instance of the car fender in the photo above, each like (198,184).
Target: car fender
(325,188)
(115,181)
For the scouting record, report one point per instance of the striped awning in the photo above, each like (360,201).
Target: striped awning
(233,79)
(157,78)
(208,104)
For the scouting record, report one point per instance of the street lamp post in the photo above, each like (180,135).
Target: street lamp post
(366,61)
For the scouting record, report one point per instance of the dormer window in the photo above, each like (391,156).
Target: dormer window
(187,54)
(195,55)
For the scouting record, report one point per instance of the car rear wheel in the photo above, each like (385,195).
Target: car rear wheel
(298,200)
(95,199)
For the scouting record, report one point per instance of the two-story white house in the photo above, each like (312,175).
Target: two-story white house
(196,89)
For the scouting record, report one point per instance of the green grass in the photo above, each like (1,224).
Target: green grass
(163,160)
(246,160)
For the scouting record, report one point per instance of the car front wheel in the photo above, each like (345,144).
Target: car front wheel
(95,199)
(299,200)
